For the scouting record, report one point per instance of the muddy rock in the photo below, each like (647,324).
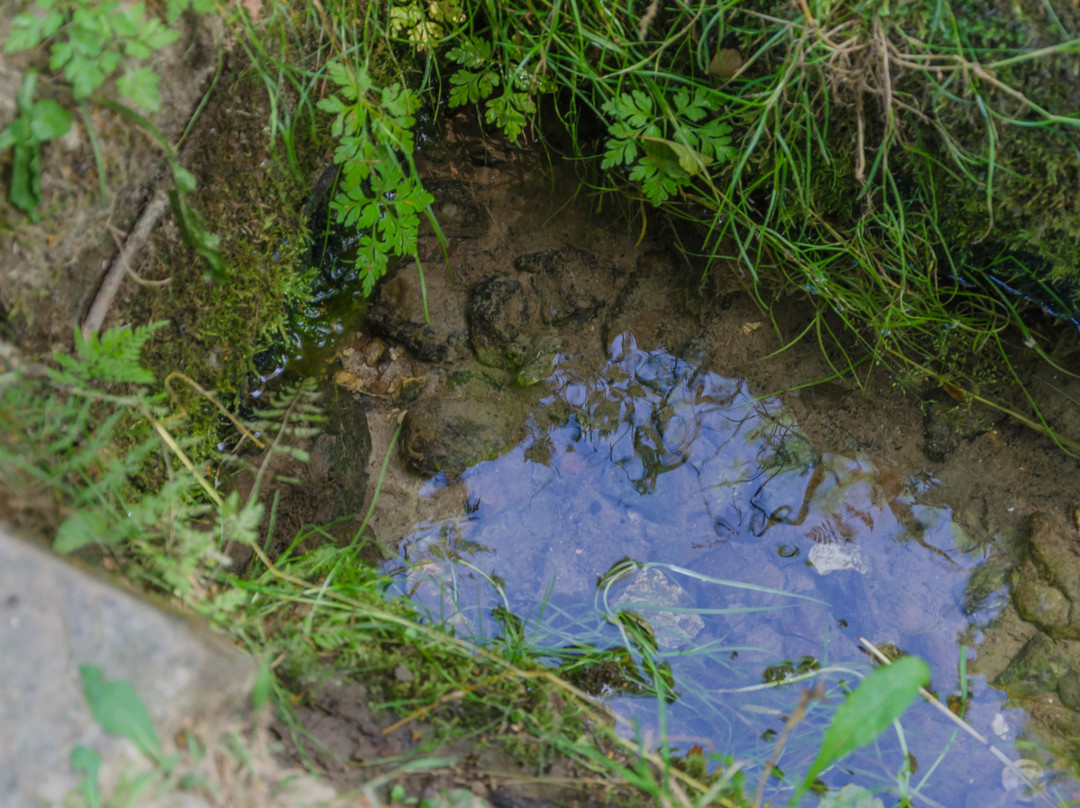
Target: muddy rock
(1069,688)
(1054,548)
(475,420)
(1037,669)
(1040,603)
(554,276)
(1046,586)
(498,318)
(985,591)
(398,313)
(456,209)
(337,468)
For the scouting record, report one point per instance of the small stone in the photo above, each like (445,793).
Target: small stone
(1036,668)
(374,351)
(409,389)
(498,314)
(1069,689)
(828,558)
(398,313)
(1040,603)
(653,590)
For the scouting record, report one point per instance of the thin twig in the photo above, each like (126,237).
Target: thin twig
(110,285)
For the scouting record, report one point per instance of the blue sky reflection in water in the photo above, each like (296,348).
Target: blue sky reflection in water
(753,555)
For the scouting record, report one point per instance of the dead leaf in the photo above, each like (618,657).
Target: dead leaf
(726,63)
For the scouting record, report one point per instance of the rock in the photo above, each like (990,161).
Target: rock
(985,588)
(498,316)
(1069,688)
(1041,603)
(456,210)
(398,313)
(56,616)
(649,307)
(475,421)
(554,273)
(336,474)
(828,558)
(1036,669)
(1053,548)
(650,590)
(1046,586)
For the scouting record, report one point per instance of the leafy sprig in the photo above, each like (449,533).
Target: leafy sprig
(378,190)
(38,122)
(90,41)
(666,146)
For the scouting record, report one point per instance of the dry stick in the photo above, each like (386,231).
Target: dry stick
(103,301)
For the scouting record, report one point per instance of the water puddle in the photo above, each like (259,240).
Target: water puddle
(688,557)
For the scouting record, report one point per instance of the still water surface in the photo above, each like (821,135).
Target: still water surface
(656,488)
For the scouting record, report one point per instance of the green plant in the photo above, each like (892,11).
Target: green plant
(378,192)
(96,437)
(666,143)
(38,122)
(89,42)
(869,710)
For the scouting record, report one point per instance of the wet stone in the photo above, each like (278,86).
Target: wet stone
(986,588)
(1069,689)
(554,274)
(398,313)
(1054,549)
(1040,603)
(1036,669)
(648,307)
(473,422)
(498,316)
(650,591)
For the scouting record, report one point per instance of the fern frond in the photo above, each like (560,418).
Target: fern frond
(110,358)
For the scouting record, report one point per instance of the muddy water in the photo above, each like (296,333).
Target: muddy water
(655,487)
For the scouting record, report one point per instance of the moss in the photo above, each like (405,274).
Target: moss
(247,197)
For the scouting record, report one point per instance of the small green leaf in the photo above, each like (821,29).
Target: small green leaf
(87,762)
(25,33)
(264,684)
(119,710)
(331,104)
(156,35)
(140,86)
(184,179)
(83,528)
(868,711)
(48,120)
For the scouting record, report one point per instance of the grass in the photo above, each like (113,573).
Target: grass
(944,134)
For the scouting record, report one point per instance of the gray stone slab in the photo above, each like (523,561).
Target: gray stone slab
(55,616)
